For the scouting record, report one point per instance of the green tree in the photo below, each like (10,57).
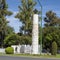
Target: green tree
(26,40)
(26,11)
(10,30)
(12,39)
(25,15)
(51,30)
(54,48)
(51,34)
(51,19)
(3,22)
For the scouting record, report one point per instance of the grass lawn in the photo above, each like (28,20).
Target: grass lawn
(29,55)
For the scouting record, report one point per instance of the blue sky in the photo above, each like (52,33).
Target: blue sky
(47,5)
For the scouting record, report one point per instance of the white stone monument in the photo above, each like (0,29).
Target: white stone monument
(35,34)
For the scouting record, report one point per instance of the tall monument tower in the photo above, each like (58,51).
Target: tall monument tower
(35,34)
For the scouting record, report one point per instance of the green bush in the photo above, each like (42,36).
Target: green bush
(54,48)
(12,39)
(9,50)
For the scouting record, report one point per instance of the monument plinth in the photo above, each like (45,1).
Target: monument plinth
(35,34)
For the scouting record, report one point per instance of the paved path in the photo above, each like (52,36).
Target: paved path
(22,58)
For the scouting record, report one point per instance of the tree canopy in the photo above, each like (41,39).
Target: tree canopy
(51,30)
(25,15)
(3,22)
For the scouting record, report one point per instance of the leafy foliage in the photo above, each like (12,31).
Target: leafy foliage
(3,22)
(54,48)
(12,39)
(9,50)
(10,30)
(51,30)
(51,19)
(26,40)
(25,14)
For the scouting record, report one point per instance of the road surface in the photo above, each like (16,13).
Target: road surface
(23,58)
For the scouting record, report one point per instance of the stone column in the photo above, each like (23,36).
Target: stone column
(35,34)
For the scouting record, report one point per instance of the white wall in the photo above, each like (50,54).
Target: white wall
(24,49)
(2,50)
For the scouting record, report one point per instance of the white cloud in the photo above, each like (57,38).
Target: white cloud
(14,22)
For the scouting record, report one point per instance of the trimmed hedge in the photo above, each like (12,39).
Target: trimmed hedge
(9,50)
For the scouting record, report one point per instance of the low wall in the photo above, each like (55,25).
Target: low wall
(23,49)
(2,50)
